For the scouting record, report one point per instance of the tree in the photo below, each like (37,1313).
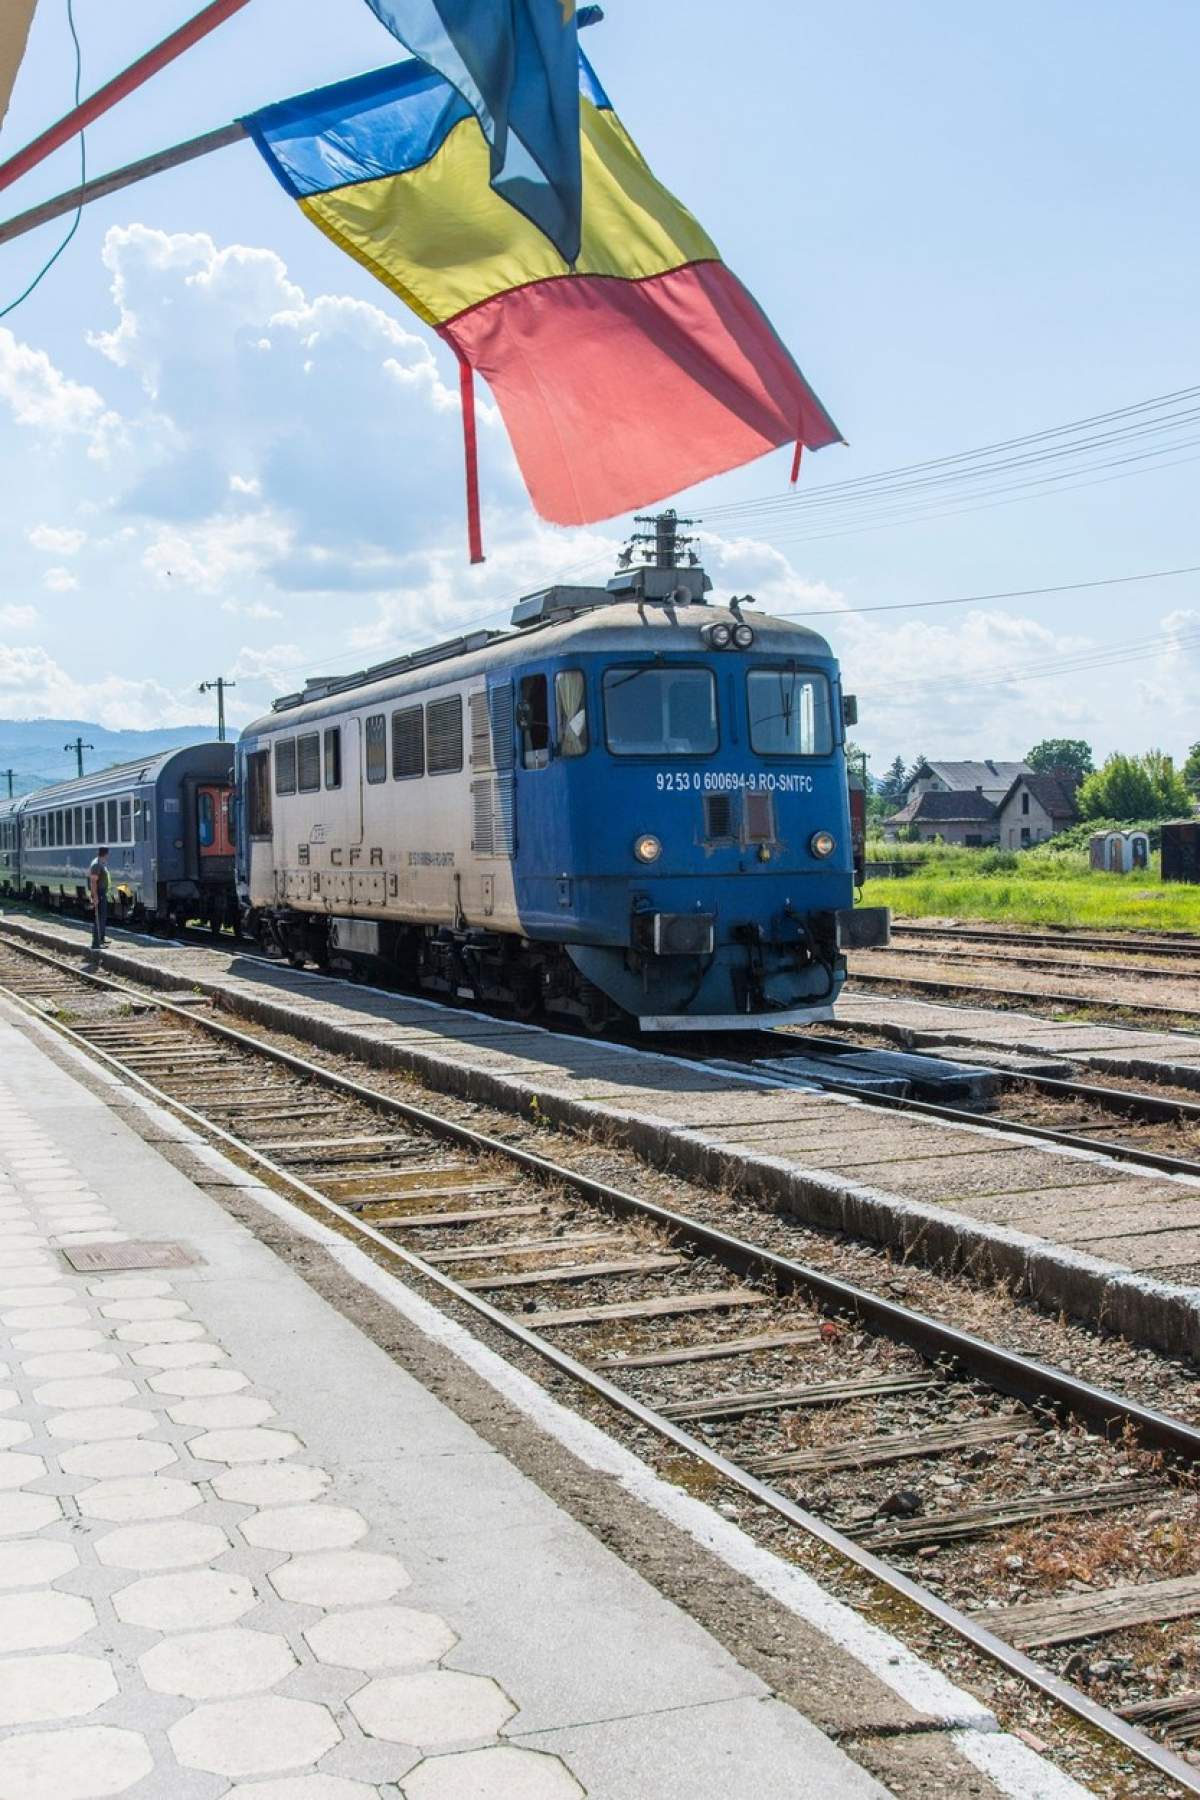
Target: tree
(890,786)
(1134,787)
(1069,757)
(1191,772)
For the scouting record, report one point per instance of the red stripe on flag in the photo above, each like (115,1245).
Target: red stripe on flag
(618,393)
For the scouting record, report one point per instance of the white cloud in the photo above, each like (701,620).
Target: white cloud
(221,549)
(34,686)
(254,609)
(59,581)
(42,398)
(18,618)
(57,540)
(245,484)
(278,665)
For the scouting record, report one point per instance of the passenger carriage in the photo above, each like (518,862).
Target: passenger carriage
(632,804)
(166,821)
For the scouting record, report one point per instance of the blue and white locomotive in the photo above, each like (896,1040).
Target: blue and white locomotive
(633,804)
(166,822)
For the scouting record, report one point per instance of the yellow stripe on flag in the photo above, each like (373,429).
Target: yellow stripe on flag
(442,240)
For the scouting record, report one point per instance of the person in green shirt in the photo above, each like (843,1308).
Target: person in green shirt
(100,884)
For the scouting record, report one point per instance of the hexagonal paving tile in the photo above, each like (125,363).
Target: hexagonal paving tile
(144,1307)
(123,1287)
(86,1390)
(44,1318)
(254,1737)
(213,1665)
(17,1467)
(123,1456)
(38,1274)
(16,1299)
(222,1410)
(380,1637)
(93,1423)
(14,1431)
(84,1762)
(255,1444)
(139,1497)
(199,1598)
(38,1618)
(34,1562)
(36,1689)
(437,1706)
(304,1528)
(272,1484)
(187,1382)
(339,1578)
(20,1513)
(501,1772)
(176,1356)
(160,1331)
(172,1544)
(55,1338)
(307,1787)
(67,1363)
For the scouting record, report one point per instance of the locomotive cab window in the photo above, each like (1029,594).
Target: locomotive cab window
(789,712)
(333,757)
(570,703)
(656,711)
(259,795)
(533,716)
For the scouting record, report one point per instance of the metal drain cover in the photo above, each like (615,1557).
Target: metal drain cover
(88,1258)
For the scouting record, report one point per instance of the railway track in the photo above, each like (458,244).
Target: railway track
(887,1437)
(1181,1018)
(1169,945)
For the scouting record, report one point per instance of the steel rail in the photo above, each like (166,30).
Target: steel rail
(1045,965)
(1167,946)
(924,984)
(1128,1736)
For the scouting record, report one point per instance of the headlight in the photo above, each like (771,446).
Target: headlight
(743,636)
(822,843)
(719,636)
(647,848)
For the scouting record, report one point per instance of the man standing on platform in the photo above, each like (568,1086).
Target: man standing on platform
(100,883)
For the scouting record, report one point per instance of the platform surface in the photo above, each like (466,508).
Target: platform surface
(242,1551)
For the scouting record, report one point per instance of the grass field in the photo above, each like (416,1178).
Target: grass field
(1040,890)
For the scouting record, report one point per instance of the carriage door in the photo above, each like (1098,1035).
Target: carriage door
(354,780)
(493,787)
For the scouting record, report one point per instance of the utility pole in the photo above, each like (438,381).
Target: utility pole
(220,684)
(78,746)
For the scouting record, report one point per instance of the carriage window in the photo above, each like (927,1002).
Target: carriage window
(789,713)
(260,794)
(570,698)
(408,743)
(308,762)
(657,711)
(112,821)
(376,738)
(89,825)
(444,736)
(533,715)
(206,825)
(58,829)
(126,834)
(285,766)
(69,827)
(333,757)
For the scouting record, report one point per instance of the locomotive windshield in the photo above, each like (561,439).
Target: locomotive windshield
(789,712)
(652,710)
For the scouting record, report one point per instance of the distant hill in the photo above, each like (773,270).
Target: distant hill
(33,748)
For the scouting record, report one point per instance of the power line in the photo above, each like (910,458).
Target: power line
(74,226)
(1066,587)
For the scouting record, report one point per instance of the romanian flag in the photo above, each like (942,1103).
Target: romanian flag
(643,369)
(516,65)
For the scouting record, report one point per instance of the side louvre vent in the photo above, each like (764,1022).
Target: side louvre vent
(493,810)
(444,736)
(759,819)
(500,700)
(718,816)
(481,731)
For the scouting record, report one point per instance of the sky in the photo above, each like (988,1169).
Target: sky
(224,449)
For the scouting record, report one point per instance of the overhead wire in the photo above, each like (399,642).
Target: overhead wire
(74,226)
